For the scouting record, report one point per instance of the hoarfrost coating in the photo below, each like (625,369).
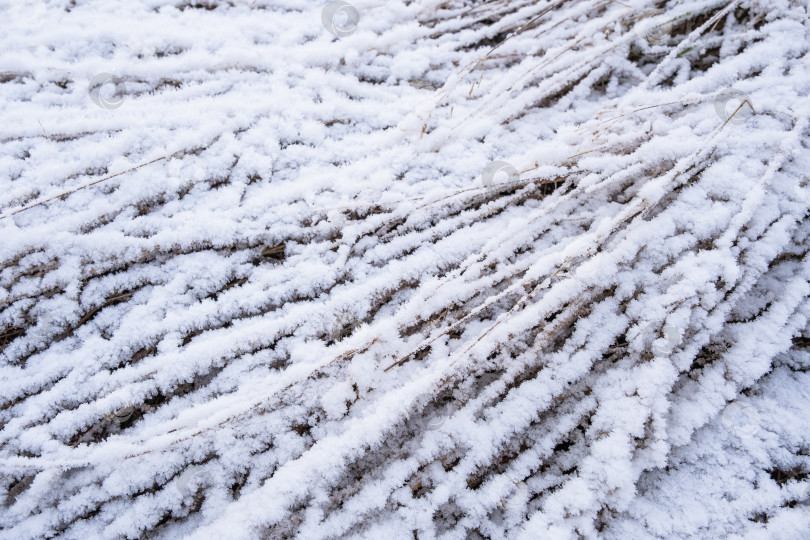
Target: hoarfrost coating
(261,279)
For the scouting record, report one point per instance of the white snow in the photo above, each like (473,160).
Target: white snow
(261,278)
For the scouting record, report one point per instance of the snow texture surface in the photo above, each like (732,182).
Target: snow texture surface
(405,269)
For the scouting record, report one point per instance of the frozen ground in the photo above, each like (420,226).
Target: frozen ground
(259,280)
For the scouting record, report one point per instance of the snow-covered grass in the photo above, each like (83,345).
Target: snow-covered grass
(260,280)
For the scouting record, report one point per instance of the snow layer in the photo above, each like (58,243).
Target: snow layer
(260,278)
